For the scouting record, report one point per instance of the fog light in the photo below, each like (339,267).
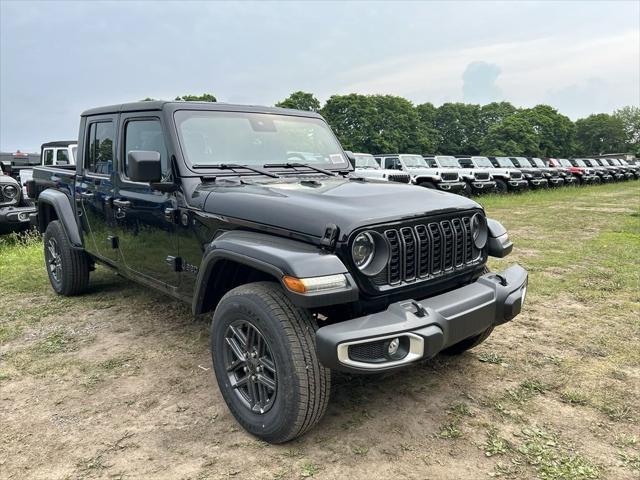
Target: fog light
(392,348)
(396,348)
(23,217)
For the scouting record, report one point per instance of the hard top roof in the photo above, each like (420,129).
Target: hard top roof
(182,105)
(59,143)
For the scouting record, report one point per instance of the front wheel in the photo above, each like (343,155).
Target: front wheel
(501,186)
(264,358)
(68,269)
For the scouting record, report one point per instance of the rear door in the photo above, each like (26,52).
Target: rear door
(144,223)
(95,186)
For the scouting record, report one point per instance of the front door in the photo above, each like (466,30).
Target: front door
(145,229)
(95,188)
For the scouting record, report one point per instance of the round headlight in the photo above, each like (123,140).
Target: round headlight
(10,191)
(479,230)
(363,250)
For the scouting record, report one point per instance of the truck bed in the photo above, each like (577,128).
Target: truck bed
(61,177)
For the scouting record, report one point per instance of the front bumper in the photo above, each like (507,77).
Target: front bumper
(518,184)
(454,187)
(570,180)
(555,182)
(606,178)
(426,327)
(483,187)
(15,216)
(539,183)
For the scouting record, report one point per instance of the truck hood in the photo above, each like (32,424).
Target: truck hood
(307,206)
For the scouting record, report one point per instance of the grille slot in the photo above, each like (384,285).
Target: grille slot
(449,176)
(399,178)
(429,249)
(516,175)
(482,176)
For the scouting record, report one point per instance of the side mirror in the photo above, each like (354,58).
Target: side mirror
(144,166)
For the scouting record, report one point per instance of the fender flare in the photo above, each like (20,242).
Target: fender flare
(62,206)
(277,257)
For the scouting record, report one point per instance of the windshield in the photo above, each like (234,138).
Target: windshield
(615,161)
(538,163)
(366,161)
(413,161)
(524,162)
(505,162)
(482,162)
(579,162)
(447,161)
(564,162)
(210,138)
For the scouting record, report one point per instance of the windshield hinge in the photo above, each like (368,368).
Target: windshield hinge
(330,237)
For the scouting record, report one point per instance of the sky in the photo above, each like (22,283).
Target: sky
(60,58)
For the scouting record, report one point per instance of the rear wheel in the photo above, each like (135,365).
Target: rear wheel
(68,269)
(264,358)
(501,186)
(468,191)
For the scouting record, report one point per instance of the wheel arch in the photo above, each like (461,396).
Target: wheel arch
(55,205)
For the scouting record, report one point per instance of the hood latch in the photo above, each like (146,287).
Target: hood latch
(330,237)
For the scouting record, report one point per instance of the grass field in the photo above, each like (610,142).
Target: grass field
(118,383)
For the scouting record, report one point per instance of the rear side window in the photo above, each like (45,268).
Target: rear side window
(99,158)
(144,135)
(48,156)
(62,157)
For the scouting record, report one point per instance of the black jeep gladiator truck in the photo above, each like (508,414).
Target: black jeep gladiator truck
(250,213)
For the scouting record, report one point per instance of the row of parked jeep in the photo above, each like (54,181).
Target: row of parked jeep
(472,175)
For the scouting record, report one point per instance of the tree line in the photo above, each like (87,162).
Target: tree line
(388,123)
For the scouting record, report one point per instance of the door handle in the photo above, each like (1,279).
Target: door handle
(86,195)
(123,204)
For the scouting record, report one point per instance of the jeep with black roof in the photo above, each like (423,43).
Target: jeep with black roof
(534,176)
(305,269)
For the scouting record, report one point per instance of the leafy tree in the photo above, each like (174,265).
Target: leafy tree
(513,136)
(205,97)
(556,133)
(630,118)
(492,114)
(601,133)
(458,128)
(300,101)
(427,114)
(376,123)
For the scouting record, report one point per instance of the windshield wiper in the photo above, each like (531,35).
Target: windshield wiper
(235,166)
(298,165)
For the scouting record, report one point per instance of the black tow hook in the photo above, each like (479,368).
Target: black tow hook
(420,310)
(501,279)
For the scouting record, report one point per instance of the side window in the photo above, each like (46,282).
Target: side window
(99,158)
(48,156)
(144,135)
(62,157)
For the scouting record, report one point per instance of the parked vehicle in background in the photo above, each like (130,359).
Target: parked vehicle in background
(605,174)
(366,166)
(553,175)
(584,174)
(51,154)
(15,210)
(534,176)
(626,169)
(306,269)
(632,166)
(421,173)
(476,180)
(507,179)
(615,174)
(12,163)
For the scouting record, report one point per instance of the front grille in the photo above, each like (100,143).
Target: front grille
(449,176)
(516,175)
(537,174)
(428,249)
(399,178)
(482,175)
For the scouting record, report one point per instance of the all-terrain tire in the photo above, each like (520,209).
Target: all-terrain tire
(302,384)
(67,268)
(471,342)
(427,184)
(501,186)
